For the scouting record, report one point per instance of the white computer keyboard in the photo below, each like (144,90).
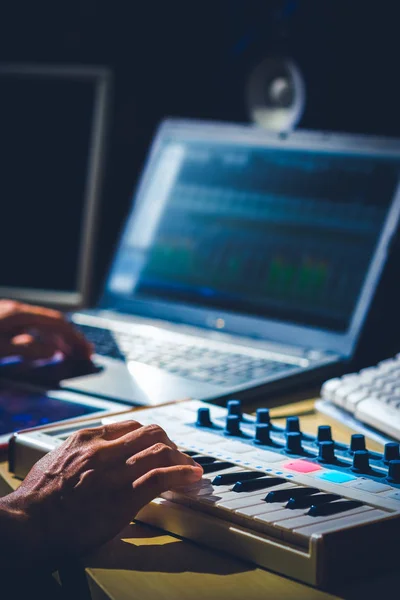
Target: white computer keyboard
(372,395)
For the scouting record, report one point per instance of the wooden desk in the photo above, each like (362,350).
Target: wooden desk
(143,563)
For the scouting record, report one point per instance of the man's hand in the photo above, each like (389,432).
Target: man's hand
(82,494)
(33,332)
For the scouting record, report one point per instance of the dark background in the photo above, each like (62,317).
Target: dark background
(191,59)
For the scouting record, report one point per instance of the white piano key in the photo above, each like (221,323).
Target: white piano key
(233,469)
(216,495)
(231,495)
(342,523)
(246,500)
(209,477)
(243,499)
(207,496)
(256,509)
(273,516)
(225,496)
(240,502)
(305,520)
(205,489)
(209,499)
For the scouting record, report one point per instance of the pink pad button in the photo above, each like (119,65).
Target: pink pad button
(301,466)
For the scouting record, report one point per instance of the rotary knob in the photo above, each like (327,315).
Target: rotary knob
(394,471)
(360,461)
(391,452)
(232,425)
(262,435)
(293,442)
(262,415)
(292,424)
(203,417)
(234,407)
(357,442)
(326,452)
(324,433)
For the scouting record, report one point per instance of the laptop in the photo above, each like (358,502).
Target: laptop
(247,263)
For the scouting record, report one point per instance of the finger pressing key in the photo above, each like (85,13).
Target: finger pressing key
(154,483)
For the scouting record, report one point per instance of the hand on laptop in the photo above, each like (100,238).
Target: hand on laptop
(82,494)
(34,332)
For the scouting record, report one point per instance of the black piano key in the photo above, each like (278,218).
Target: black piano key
(284,495)
(217,466)
(203,460)
(332,508)
(226,478)
(257,484)
(307,501)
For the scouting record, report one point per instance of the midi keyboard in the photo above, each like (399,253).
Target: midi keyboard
(305,506)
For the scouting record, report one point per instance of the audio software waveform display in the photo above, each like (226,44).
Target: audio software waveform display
(283,235)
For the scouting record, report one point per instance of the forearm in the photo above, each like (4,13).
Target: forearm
(14,533)
(25,541)
(20,574)
(20,546)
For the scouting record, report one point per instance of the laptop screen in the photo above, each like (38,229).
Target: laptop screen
(273,232)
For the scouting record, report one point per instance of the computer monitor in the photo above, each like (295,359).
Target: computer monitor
(52,143)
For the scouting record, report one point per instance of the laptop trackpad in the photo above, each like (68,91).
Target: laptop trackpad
(137,383)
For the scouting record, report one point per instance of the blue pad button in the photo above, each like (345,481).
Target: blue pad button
(335,477)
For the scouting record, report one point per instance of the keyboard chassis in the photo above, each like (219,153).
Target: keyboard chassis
(324,560)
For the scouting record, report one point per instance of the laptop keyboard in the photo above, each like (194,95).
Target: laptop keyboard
(196,362)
